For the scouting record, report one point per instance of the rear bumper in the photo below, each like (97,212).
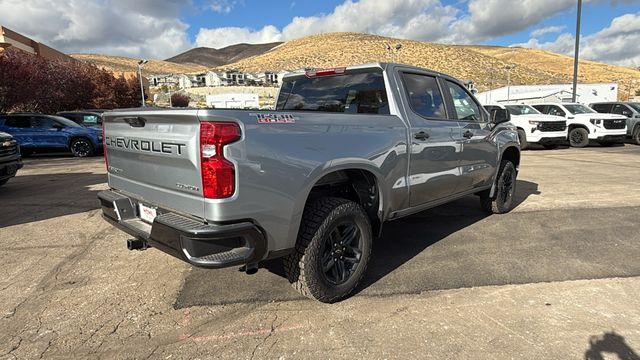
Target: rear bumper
(190,240)
(10,166)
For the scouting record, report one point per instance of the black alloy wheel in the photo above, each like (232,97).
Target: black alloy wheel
(341,253)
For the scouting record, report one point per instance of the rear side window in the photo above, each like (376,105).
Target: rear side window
(424,95)
(601,108)
(17,122)
(352,93)
(90,119)
(542,108)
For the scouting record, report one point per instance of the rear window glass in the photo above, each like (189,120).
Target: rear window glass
(352,93)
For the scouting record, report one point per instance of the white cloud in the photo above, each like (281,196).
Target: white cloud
(222,6)
(141,28)
(221,37)
(615,44)
(546,30)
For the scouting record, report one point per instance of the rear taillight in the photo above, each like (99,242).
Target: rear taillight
(104,148)
(218,173)
(325,72)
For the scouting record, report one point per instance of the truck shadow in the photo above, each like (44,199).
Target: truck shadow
(609,343)
(401,241)
(29,198)
(405,238)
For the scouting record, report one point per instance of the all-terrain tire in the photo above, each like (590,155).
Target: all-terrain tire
(635,136)
(503,199)
(578,137)
(522,136)
(307,269)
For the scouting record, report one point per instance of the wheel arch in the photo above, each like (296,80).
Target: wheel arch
(361,182)
(511,153)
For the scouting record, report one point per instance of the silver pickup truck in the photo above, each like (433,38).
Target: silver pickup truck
(312,182)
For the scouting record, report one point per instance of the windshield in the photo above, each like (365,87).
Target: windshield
(579,109)
(521,110)
(635,106)
(65,121)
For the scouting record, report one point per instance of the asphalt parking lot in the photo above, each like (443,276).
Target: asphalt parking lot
(558,277)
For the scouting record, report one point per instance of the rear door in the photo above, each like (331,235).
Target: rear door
(20,128)
(435,140)
(154,156)
(478,154)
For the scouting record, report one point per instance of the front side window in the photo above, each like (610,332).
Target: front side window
(578,109)
(521,110)
(555,110)
(351,93)
(465,107)
(41,123)
(424,95)
(620,109)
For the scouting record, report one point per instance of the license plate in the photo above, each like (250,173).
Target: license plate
(147,213)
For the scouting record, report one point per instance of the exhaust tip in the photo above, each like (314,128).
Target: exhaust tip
(136,244)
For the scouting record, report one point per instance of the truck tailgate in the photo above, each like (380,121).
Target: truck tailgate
(154,157)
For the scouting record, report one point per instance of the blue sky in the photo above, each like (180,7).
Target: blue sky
(163,28)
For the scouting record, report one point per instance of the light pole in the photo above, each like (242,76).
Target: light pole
(140,63)
(577,50)
(509,68)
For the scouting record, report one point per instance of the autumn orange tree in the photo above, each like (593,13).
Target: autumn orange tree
(35,84)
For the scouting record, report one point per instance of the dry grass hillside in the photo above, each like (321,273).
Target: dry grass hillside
(120,63)
(482,64)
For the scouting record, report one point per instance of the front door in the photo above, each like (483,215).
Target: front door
(435,147)
(478,158)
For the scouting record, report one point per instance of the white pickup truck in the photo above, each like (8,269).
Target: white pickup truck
(535,127)
(586,124)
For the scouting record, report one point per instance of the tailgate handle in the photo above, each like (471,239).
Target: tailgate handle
(135,121)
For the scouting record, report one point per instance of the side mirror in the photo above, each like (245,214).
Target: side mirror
(499,116)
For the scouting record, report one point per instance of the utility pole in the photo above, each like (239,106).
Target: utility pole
(140,63)
(509,68)
(577,51)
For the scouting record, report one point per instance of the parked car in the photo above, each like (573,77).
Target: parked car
(631,110)
(586,124)
(84,118)
(535,127)
(10,160)
(312,182)
(39,133)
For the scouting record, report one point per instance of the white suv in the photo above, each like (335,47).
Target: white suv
(535,127)
(586,124)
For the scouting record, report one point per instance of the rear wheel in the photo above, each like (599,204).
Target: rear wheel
(81,147)
(502,200)
(332,250)
(578,137)
(522,136)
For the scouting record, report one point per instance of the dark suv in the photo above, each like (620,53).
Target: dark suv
(629,109)
(37,132)
(10,161)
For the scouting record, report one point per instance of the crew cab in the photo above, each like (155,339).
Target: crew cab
(41,133)
(10,160)
(631,110)
(312,182)
(535,127)
(586,124)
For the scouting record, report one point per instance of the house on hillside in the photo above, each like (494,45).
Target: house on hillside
(192,80)
(213,78)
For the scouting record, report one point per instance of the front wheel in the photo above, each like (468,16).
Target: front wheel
(578,137)
(81,147)
(502,200)
(635,136)
(332,251)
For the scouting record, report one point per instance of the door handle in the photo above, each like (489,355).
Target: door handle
(468,134)
(421,135)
